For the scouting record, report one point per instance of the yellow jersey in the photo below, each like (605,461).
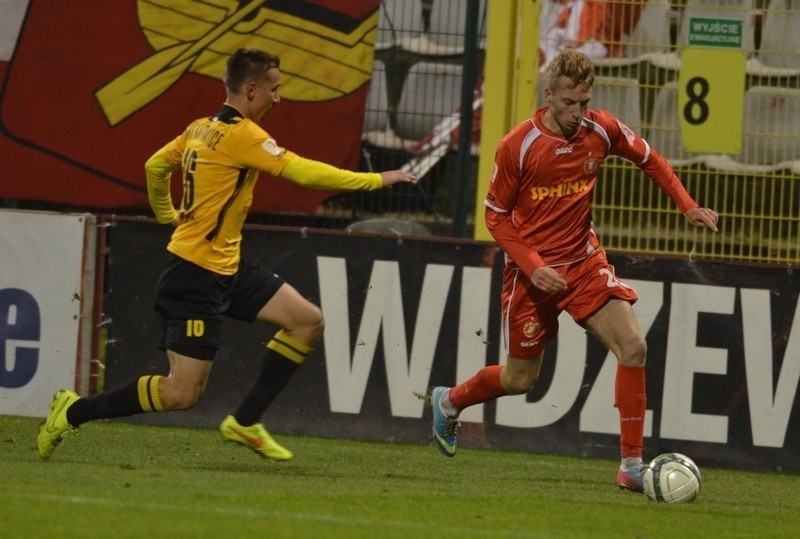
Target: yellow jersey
(221,158)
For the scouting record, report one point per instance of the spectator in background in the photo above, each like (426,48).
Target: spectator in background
(620,18)
(596,28)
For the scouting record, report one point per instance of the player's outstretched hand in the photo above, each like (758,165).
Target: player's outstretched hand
(391,177)
(703,218)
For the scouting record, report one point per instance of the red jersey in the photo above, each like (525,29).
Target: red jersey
(538,207)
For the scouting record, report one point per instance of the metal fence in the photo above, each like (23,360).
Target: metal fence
(417,80)
(429,56)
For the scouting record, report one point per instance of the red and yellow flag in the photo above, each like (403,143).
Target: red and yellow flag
(84,106)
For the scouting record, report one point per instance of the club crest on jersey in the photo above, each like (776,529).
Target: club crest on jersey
(272,148)
(591,165)
(530,328)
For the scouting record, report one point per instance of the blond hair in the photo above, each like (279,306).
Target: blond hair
(571,64)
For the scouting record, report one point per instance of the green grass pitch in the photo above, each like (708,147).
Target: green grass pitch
(116,479)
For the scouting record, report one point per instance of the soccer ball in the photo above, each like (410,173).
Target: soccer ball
(672,478)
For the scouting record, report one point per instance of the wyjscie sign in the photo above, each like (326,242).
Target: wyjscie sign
(716,32)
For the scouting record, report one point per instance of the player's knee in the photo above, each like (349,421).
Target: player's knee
(318,326)
(307,329)
(176,399)
(186,402)
(313,326)
(519,384)
(634,353)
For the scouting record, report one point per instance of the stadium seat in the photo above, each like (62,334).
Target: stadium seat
(398,20)
(431,92)
(651,36)
(619,96)
(771,131)
(665,130)
(377,127)
(779,52)
(652,32)
(376,113)
(445,35)
(394,227)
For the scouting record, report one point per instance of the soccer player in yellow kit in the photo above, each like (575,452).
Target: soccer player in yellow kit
(220,158)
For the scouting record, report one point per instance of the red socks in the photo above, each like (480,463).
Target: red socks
(482,387)
(629,395)
(631,399)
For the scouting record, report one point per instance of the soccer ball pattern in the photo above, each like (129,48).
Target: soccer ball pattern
(672,478)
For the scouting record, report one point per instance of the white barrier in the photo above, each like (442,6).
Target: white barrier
(47,265)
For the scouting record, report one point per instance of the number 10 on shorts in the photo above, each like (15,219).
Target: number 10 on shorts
(195,328)
(711,86)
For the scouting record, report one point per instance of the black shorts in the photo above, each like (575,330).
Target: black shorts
(191,302)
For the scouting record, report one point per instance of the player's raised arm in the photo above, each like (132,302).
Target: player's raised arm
(319,175)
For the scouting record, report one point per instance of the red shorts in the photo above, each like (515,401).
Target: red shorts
(530,316)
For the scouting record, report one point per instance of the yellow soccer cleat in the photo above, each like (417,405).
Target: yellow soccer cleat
(55,427)
(255,437)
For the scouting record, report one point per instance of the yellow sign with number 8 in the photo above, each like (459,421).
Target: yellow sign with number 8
(711,87)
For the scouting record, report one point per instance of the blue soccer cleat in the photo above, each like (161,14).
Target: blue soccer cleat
(632,478)
(444,427)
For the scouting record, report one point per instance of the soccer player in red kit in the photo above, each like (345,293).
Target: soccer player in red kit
(538,209)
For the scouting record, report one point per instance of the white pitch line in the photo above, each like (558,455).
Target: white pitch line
(285,515)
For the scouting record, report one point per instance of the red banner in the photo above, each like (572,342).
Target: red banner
(94,88)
